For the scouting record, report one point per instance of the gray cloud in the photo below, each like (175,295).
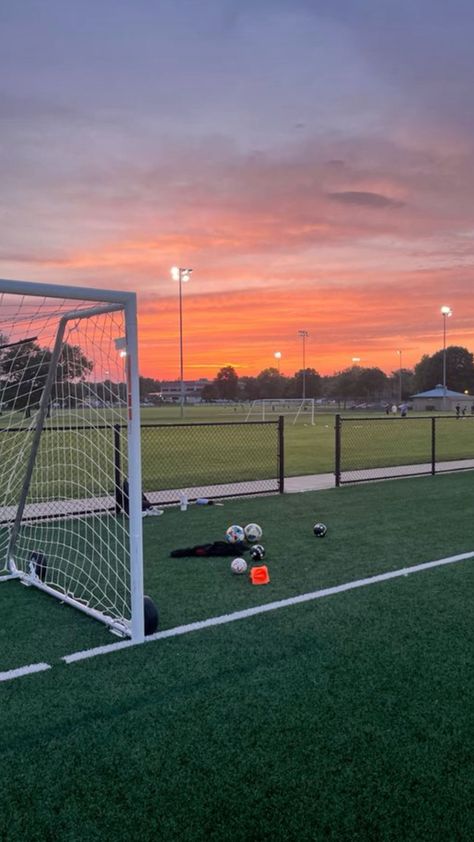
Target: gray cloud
(361,197)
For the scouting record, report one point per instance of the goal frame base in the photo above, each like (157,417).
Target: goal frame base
(121,628)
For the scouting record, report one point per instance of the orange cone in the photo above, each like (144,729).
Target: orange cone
(259,575)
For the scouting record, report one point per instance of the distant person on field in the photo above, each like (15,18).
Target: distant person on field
(394,409)
(472,409)
(403,410)
(387,409)
(458,410)
(464,410)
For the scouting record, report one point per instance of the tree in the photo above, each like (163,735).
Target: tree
(459,370)
(371,383)
(227,383)
(312,384)
(148,385)
(209,392)
(408,387)
(345,384)
(248,388)
(25,369)
(270,383)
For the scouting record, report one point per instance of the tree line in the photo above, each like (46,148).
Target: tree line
(24,368)
(352,384)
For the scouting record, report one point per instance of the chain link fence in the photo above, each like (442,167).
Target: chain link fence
(203,460)
(384,448)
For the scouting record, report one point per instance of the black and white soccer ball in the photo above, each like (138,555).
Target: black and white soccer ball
(253,532)
(320,530)
(257,552)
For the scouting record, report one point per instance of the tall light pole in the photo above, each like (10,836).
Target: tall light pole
(399,352)
(277,356)
(304,335)
(181,275)
(446,312)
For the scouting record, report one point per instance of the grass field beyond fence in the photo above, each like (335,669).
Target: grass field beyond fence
(308,449)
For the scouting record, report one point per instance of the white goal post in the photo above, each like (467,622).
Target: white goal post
(68,380)
(268,408)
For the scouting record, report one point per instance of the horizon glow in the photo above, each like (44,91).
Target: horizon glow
(309,176)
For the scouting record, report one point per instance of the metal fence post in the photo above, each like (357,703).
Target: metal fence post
(281,454)
(433,445)
(118,490)
(337,450)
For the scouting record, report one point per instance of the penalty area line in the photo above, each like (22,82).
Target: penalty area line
(27,670)
(269,606)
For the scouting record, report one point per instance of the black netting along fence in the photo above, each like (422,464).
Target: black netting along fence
(203,460)
(383,448)
(212,460)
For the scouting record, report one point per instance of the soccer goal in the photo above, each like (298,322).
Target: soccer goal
(68,383)
(295,408)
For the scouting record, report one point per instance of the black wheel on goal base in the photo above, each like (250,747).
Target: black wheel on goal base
(151,615)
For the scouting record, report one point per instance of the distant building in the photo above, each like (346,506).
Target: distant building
(435,399)
(171,390)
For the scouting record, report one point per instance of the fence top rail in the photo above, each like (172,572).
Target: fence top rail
(114,426)
(392,418)
(273,423)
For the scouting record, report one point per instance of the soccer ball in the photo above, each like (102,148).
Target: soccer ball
(238,565)
(253,532)
(257,552)
(320,530)
(234,534)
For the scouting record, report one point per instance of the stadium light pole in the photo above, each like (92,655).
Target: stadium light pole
(399,352)
(446,312)
(277,356)
(304,335)
(181,275)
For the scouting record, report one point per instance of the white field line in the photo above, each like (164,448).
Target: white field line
(269,606)
(28,670)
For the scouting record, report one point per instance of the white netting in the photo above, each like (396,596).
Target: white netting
(267,409)
(72,526)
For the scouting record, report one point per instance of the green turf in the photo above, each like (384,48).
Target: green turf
(371,529)
(349,719)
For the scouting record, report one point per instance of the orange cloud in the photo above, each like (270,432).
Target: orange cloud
(370,321)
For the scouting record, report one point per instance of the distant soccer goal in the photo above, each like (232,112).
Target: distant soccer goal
(266,409)
(68,378)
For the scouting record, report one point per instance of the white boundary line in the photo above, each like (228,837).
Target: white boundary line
(237,615)
(28,670)
(269,606)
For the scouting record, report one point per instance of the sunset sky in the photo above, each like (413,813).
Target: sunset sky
(311,160)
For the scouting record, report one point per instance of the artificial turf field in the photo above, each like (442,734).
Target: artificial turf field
(347,718)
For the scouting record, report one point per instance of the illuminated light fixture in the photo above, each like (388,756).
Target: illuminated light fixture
(446,312)
(181,275)
(304,335)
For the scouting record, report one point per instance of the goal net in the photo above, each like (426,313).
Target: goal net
(68,383)
(295,408)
